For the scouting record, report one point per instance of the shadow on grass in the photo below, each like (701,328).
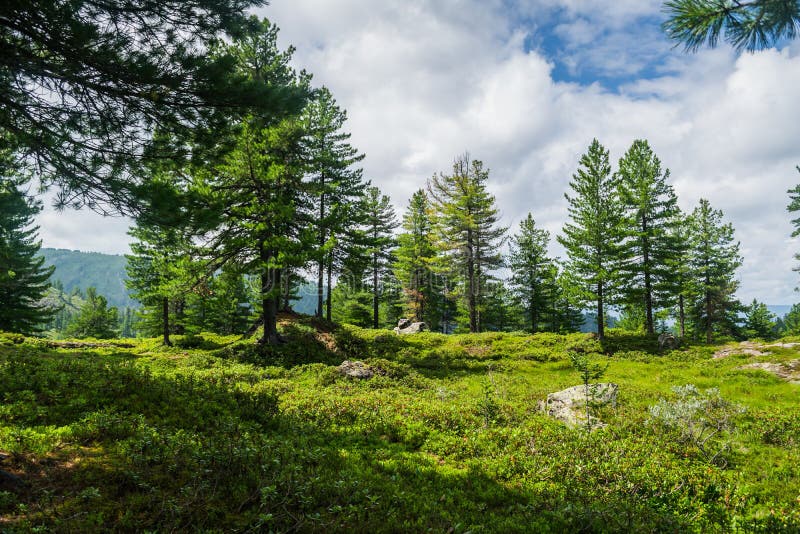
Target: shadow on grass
(139,451)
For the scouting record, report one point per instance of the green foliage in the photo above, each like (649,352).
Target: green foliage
(750,26)
(759,322)
(592,237)
(650,210)
(589,371)
(94,319)
(86,84)
(23,278)
(79,270)
(467,235)
(442,437)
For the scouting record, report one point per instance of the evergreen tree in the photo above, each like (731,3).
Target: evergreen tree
(466,230)
(680,281)
(229,306)
(532,272)
(649,208)
(95,318)
(337,185)
(759,322)
(258,190)
(23,278)
(750,25)
(415,257)
(85,84)
(592,237)
(380,222)
(714,260)
(791,322)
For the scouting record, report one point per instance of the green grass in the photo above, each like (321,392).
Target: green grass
(215,435)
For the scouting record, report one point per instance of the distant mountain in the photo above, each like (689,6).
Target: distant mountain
(79,270)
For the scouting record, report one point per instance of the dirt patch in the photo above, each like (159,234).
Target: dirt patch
(746,348)
(786,371)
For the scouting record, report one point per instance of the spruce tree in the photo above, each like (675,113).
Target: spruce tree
(415,257)
(380,222)
(649,212)
(95,318)
(714,260)
(593,235)
(759,322)
(337,186)
(532,272)
(468,236)
(680,281)
(23,278)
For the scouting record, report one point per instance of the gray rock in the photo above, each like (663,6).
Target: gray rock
(404,326)
(356,369)
(667,340)
(569,405)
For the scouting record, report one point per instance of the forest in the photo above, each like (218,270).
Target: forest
(208,402)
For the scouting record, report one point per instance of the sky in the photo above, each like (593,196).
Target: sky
(525,86)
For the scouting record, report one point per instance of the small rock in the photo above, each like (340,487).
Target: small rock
(356,369)
(404,326)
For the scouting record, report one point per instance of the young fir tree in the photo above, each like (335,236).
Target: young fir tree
(95,319)
(466,230)
(592,237)
(23,278)
(380,222)
(415,257)
(649,211)
(759,322)
(791,321)
(337,186)
(680,281)
(532,273)
(714,260)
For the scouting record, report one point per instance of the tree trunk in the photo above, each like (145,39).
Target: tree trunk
(375,322)
(270,285)
(165,320)
(471,304)
(681,316)
(601,320)
(329,296)
(708,317)
(648,284)
(321,263)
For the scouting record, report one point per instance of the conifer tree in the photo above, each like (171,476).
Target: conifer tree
(649,209)
(714,260)
(337,185)
(380,222)
(592,236)
(23,278)
(258,190)
(680,281)
(415,257)
(532,272)
(759,322)
(466,230)
(95,318)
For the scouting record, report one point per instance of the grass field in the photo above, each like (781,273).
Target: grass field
(213,435)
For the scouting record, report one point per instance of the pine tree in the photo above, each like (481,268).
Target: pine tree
(23,278)
(759,322)
(680,281)
(649,212)
(791,321)
(95,318)
(415,257)
(593,235)
(337,185)
(751,25)
(714,260)
(380,222)
(259,191)
(532,272)
(466,228)
(85,84)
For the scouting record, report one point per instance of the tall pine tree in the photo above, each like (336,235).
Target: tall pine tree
(467,231)
(714,260)
(532,272)
(380,222)
(592,236)
(649,211)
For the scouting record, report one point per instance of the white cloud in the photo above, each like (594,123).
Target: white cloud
(423,81)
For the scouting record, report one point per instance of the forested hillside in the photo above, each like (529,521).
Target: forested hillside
(81,270)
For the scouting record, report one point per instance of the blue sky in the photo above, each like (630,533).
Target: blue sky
(524,85)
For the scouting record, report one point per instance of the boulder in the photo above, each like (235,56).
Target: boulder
(404,326)
(569,405)
(667,340)
(356,369)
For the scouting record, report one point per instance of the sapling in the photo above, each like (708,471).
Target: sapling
(589,371)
